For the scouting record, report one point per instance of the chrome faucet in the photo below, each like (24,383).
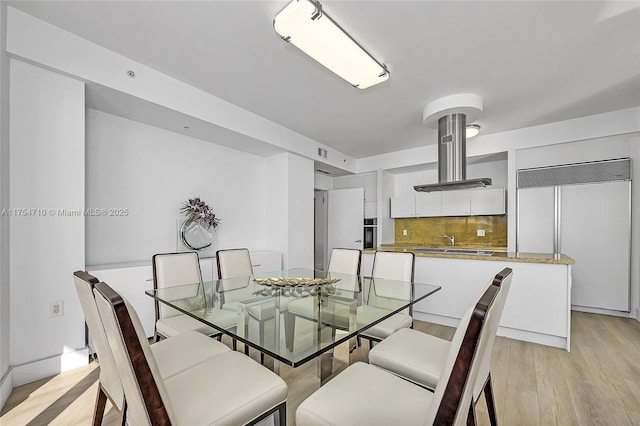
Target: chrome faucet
(451,238)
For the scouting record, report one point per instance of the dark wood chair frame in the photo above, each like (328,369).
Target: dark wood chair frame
(487,389)
(462,365)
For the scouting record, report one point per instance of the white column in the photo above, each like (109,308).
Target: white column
(47,178)
(289,209)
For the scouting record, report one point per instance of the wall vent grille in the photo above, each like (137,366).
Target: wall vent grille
(574,174)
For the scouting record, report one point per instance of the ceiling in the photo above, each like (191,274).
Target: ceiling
(532,62)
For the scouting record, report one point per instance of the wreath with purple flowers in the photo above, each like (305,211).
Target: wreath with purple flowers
(198,211)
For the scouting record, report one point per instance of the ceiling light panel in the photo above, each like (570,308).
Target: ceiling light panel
(306,26)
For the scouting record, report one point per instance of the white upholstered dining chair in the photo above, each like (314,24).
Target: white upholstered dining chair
(228,388)
(342,261)
(235,263)
(420,357)
(367,395)
(398,266)
(173,270)
(345,261)
(173,355)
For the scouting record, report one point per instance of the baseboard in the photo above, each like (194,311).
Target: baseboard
(6,386)
(43,368)
(512,333)
(602,311)
(539,338)
(436,319)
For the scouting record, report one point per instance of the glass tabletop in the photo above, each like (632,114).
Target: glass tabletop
(297,314)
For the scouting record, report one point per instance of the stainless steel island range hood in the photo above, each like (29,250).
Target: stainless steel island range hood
(452,151)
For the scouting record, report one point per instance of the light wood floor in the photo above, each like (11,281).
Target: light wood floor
(598,382)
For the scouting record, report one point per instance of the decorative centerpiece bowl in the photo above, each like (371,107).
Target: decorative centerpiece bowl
(297,287)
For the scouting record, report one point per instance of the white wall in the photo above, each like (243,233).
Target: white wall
(47,172)
(578,129)
(151,172)
(5,384)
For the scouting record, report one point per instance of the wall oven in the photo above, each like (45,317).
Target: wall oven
(370,233)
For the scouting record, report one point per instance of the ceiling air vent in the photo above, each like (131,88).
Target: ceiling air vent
(324,172)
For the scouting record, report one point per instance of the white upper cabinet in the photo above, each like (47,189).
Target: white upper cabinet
(479,202)
(487,201)
(429,204)
(403,206)
(456,203)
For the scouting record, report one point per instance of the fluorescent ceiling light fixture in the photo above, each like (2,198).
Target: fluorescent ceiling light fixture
(304,24)
(472,130)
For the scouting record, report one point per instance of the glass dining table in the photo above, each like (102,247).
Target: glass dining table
(296,315)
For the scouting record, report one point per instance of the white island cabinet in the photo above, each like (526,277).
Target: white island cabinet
(538,308)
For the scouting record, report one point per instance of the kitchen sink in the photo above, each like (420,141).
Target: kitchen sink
(455,251)
(471,251)
(431,250)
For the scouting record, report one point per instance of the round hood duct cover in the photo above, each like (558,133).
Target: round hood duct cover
(469,104)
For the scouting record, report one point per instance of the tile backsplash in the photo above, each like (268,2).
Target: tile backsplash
(428,231)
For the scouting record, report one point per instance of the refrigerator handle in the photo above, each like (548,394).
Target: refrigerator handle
(557,220)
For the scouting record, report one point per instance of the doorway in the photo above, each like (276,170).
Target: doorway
(320,229)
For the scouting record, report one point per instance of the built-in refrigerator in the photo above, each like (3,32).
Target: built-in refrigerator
(584,211)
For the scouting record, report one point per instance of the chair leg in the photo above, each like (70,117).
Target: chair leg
(471,417)
(289,329)
(246,335)
(491,406)
(101,402)
(123,415)
(282,414)
(261,336)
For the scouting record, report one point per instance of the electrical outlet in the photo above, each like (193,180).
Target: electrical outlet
(56,308)
(480,233)
(404,232)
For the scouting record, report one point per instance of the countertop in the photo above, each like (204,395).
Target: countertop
(498,255)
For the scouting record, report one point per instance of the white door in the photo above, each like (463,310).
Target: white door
(595,231)
(536,214)
(320,230)
(345,225)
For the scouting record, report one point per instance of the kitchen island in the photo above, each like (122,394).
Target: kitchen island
(538,308)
